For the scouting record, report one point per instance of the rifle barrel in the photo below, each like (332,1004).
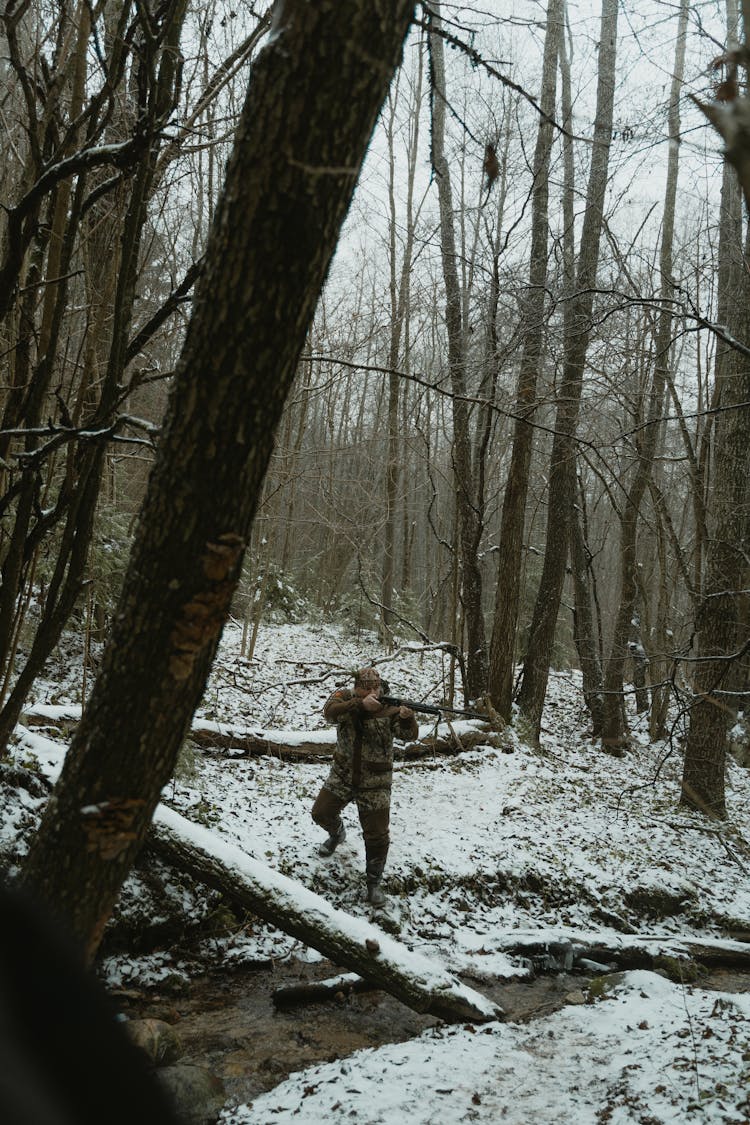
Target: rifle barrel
(428,708)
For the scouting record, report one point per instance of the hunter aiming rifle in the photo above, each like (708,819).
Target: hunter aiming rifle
(428,708)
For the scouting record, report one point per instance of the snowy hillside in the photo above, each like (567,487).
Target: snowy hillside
(493,850)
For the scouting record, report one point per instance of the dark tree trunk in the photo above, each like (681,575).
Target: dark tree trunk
(507,595)
(310,110)
(658,640)
(469,499)
(584,632)
(614,732)
(562,477)
(719,644)
(719,641)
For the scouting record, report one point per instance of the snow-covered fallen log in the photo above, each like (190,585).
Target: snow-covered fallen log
(680,959)
(243,742)
(596,953)
(313,992)
(351,942)
(293,745)
(305,745)
(51,714)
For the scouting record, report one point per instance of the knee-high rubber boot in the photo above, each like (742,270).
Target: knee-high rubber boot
(374,870)
(329,845)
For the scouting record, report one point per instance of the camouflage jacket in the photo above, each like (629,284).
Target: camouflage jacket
(363,759)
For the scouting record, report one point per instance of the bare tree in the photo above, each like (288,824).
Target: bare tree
(469,498)
(577,330)
(53,488)
(613,729)
(505,623)
(308,117)
(720,640)
(400,280)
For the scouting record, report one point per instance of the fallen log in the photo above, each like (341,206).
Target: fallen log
(633,951)
(289,745)
(351,942)
(655,953)
(319,991)
(450,744)
(680,959)
(63,716)
(285,744)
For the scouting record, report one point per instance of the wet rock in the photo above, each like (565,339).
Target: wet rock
(158,1041)
(196,1094)
(576,997)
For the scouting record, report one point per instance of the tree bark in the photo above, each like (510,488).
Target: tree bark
(718,642)
(309,113)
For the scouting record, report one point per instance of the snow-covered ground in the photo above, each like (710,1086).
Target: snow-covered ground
(490,849)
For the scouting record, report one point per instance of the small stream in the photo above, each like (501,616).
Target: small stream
(227,1021)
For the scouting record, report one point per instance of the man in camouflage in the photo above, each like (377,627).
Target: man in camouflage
(362,771)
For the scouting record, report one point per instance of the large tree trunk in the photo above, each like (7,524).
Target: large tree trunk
(469,503)
(400,298)
(614,736)
(309,113)
(584,631)
(347,941)
(718,643)
(577,331)
(507,595)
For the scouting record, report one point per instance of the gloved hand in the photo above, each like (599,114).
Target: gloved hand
(372,704)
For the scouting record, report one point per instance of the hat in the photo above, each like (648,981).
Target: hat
(367,676)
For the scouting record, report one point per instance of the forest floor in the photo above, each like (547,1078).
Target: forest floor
(492,848)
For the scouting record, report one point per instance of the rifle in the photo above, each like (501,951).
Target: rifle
(428,708)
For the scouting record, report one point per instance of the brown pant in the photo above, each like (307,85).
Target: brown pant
(375,826)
